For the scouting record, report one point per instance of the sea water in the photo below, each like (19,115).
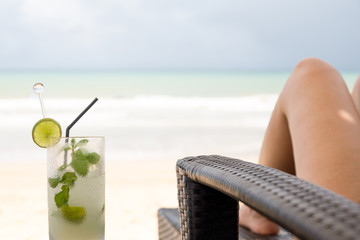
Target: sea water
(144,115)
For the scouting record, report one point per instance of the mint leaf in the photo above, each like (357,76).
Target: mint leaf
(69,178)
(73,143)
(62,198)
(81,166)
(93,157)
(79,155)
(66,148)
(81,143)
(53,182)
(62,168)
(80,163)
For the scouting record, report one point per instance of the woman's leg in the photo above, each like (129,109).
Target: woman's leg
(314,132)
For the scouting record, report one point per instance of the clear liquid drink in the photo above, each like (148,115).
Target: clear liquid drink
(76,189)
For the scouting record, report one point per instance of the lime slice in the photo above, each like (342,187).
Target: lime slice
(74,214)
(45,132)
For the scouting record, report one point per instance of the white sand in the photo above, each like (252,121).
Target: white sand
(134,192)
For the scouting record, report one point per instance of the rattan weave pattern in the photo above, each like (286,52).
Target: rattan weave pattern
(205,212)
(169,228)
(308,211)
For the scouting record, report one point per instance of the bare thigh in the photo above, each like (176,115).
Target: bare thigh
(323,127)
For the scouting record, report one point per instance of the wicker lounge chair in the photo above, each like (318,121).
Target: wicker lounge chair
(209,188)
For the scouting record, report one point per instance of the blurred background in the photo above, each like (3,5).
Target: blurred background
(173,78)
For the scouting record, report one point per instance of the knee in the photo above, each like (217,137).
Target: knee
(311,77)
(314,72)
(313,66)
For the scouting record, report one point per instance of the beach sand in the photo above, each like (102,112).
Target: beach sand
(134,192)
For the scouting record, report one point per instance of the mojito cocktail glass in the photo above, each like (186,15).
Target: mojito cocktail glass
(76,188)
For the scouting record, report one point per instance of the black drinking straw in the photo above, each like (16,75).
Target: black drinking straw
(73,123)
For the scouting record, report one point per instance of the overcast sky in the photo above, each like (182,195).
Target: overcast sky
(177,34)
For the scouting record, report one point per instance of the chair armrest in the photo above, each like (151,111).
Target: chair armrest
(209,188)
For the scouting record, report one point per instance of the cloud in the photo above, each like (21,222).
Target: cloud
(159,34)
(64,16)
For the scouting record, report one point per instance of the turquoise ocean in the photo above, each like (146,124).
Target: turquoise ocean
(144,115)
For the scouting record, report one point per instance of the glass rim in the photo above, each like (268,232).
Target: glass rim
(78,137)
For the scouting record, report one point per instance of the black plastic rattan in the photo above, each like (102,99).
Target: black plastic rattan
(169,228)
(210,186)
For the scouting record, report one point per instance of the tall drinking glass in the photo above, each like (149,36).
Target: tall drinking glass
(76,188)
